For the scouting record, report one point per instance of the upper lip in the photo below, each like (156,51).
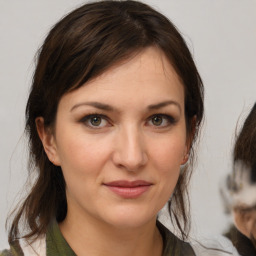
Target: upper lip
(128,184)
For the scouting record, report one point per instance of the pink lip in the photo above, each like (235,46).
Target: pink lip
(129,189)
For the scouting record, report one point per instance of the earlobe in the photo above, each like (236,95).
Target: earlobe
(185,157)
(47,138)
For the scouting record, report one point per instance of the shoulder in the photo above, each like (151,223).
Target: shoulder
(172,244)
(216,246)
(14,250)
(23,247)
(6,253)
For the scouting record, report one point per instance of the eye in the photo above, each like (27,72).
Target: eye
(95,121)
(161,120)
(157,120)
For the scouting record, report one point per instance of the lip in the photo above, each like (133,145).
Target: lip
(129,189)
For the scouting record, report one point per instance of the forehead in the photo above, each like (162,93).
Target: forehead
(150,63)
(145,77)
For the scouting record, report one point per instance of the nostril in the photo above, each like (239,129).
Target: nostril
(130,162)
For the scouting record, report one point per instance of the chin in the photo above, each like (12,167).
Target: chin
(130,218)
(130,223)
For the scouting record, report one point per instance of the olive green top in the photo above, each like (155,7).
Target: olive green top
(57,245)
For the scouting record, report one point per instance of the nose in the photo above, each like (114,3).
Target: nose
(129,149)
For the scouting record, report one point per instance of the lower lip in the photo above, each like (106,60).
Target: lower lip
(129,193)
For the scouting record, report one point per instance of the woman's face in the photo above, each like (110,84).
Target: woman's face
(120,140)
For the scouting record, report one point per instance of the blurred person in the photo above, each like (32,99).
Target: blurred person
(240,190)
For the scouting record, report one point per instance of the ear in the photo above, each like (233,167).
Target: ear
(190,137)
(185,156)
(244,221)
(47,138)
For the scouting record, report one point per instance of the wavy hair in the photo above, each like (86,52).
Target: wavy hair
(81,46)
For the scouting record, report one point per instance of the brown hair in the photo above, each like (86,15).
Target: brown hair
(245,151)
(78,48)
(245,146)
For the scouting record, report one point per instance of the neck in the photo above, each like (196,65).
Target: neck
(83,235)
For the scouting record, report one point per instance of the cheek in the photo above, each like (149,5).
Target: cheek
(82,161)
(169,153)
(167,160)
(81,150)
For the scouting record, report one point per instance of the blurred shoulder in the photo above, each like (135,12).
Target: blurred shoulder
(23,247)
(216,246)
(14,250)
(6,253)
(11,252)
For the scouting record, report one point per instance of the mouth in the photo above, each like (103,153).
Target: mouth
(129,189)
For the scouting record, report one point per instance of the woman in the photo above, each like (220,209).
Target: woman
(113,113)
(242,186)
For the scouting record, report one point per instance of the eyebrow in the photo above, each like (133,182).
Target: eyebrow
(107,107)
(164,104)
(94,104)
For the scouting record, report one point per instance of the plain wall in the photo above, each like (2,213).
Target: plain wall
(222,37)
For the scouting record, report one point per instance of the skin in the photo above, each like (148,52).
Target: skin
(126,144)
(245,221)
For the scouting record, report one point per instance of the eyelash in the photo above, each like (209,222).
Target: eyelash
(87,118)
(170,120)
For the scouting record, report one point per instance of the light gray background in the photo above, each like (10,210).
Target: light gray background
(222,37)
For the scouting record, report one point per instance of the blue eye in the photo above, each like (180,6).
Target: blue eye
(95,121)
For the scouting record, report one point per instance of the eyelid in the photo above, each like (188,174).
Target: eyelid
(171,120)
(87,117)
(167,117)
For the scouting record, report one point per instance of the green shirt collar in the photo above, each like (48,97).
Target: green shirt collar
(57,245)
